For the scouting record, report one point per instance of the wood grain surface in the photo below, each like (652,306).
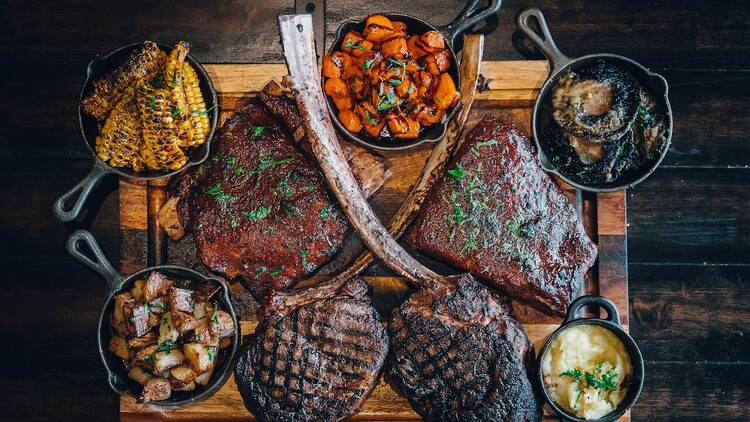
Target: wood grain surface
(603,215)
(688,225)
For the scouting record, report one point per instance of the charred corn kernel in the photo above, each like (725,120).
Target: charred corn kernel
(196,105)
(120,139)
(173,77)
(160,148)
(145,63)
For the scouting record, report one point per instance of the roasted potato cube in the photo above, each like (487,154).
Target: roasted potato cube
(187,387)
(184,321)
(205,377)
(167,330)
(137,374)
(121,301)
(119,346)
(203,292)
(138,290)
(181,299)
(166,359)
(157,285)
(144,340)
(221,324)
(199,356)
(181,375)
(145,356)
(156,389)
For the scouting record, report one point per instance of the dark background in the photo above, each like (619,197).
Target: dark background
(689,224)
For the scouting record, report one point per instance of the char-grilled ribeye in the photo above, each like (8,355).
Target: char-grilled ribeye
(497,214)
(258,210)
(457,355)
(313,359)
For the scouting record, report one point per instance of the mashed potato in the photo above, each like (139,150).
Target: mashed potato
(584,369)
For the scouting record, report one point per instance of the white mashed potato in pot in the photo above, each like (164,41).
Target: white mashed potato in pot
(585,370)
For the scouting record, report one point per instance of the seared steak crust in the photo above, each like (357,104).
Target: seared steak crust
(258,209)
(459,356)
(318,362)
(497,214)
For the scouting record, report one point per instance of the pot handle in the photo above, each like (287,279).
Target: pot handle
(98,262)
(82,190)
(469,16)
(613,315)
(545,43)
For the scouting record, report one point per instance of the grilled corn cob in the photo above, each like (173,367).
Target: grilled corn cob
(173,77)
(196,106)
(160,149)
(120,139)
(145,63)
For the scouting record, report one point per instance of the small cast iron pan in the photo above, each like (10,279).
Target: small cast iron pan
(560,64)
(469,16)
(612,323)
(98,68)
(118,283)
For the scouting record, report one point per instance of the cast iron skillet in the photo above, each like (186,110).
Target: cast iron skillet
(469,16)
(560,64)
(118,283)
(98,68)
(612,323)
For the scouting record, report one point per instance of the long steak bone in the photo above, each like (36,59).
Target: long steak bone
(456,353)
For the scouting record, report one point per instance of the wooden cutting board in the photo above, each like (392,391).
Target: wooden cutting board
(513,89)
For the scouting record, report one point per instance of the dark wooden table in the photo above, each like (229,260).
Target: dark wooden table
(689,231)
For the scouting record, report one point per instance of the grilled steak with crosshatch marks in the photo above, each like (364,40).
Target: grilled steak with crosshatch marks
(313,358)
(258,210)
(497,214)
(457,355)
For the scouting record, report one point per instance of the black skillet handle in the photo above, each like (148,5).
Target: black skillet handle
(82,190)
(98,262)
(613,315)
(543,42)
(468,17)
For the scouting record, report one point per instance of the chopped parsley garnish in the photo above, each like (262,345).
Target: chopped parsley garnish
(266,163)
(367,63)
(258,214)
(351,44)
(394,82)
(277,271)
(458,173)
(231,160)
(325,213)
(157,304)
(257,131)
(369,119)
(215,315)
(396,62)
(174,78)
(167,346)
(260,270)
(458,215)
(487,143)
(151,102)
(576,374)
(304,254)
(211,353)
(239,170)
(218,192)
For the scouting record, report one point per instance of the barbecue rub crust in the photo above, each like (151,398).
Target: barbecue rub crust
(498,215)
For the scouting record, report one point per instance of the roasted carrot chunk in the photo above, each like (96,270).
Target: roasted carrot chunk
(332,67)
(350,120)
(445,92)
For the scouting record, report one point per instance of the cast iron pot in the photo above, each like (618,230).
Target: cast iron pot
(98,68)
(560,64)
(612,323)
(469,16)
(118,283)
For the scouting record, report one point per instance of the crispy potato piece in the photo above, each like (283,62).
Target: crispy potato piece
(350,120)
(137,319)
(167,359)
(184,321)
(205,377)
(187,387)
(119,346)
(199,356)
(396,48)
(159,305)
(221,324)
(181,375)
(144,340)
(445,92)
(156,389)
(145,356)
(437,62)
(181,299)
(137,374)
(157,285)
(167,329)
(138,290)
(332,68)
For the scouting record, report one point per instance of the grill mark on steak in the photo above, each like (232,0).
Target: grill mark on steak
(313,358)
(258,210)
(501,217)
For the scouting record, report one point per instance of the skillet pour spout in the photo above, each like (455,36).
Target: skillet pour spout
(117,283)
(560,66)
(473,13)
